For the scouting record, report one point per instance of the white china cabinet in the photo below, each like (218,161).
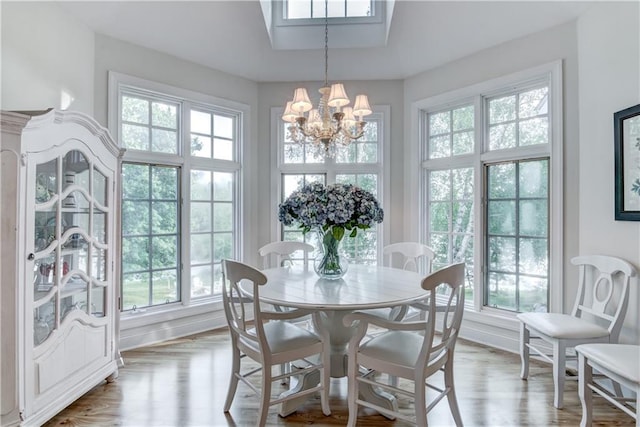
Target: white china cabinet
(58,262)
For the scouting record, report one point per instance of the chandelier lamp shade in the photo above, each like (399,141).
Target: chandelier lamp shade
(333,122)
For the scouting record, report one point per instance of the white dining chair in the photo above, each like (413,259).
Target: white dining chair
(619,363)
(268,338)
(597,317)
(409,350)
(283,252)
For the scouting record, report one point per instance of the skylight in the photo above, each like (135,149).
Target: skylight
(315,9)
(299,24)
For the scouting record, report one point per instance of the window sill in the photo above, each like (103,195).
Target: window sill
(157,325)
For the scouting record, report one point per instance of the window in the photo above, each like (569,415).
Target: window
(305,9)
(488,155)
(180,178)
(360,163)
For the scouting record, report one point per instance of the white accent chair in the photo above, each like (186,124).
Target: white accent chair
(269,339)
(409,350)
(283,251)
(597,316)
(617,362)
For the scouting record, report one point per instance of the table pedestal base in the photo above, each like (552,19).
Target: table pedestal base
(312,379)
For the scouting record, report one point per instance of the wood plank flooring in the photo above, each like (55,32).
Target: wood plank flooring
(184,383)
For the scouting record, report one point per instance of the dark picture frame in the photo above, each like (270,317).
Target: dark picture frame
(626,126)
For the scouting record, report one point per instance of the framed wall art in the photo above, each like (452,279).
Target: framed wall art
(626,124)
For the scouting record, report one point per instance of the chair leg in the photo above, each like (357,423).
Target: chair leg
(352,389)
(265,395)
(585,377)
(559,360)
(524,351)
(326,381)
(284,370)
(451,396)
(233,381)
(420,401)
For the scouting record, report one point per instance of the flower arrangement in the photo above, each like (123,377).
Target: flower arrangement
(338,208)
(333,211)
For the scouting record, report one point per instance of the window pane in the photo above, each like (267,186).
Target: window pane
(502,254)
(201,248)
(534,131)
(439,147)
(439,216)
(463,118)
(440,185)
(502,109)
(164,252)
(223,186)
(502,136)
(533,102)
(135,110)
(222,149)
(502,180)
(164,141)
(223,126)
(200,217)
(200,146)
(222,217)
(136,178)
(463,143)
(164,115)
(534,256)
(439,123)
(534,178)
(502,291)
(135,137)
(533,217)
(164,217)
(200,122)
(502,217)
(200,185)
(165,287)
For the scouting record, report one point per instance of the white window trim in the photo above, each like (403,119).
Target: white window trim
(184,317)
(486,318)
(381,167)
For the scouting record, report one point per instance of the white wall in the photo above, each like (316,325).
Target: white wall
(270,95)
(47,58)
(609,61)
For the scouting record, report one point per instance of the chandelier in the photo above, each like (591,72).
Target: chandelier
(333,123)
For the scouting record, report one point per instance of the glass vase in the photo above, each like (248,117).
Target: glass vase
(330,262)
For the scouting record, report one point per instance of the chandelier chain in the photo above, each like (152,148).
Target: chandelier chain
(326,42)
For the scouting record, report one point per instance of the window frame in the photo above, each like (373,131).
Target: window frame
(188,100)
(477,93)
(330,169)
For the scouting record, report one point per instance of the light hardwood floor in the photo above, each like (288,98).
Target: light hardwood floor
(184,383)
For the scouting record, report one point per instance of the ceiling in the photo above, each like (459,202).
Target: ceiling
(231,36)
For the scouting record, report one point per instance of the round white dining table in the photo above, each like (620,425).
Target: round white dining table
(363,287)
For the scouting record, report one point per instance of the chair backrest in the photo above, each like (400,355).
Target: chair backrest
(283,251)
(242,312)
(603,290)
(411,253)
(453,277)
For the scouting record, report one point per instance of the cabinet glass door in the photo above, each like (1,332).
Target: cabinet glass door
(46,234)
(70,247)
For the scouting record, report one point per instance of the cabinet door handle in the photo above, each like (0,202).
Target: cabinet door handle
(31,257)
